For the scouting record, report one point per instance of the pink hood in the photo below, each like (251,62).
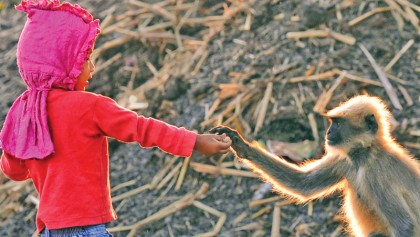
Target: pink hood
(51,53)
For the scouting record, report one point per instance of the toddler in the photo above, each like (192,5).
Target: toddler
(56,133)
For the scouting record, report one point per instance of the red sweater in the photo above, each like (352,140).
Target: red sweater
(73,183)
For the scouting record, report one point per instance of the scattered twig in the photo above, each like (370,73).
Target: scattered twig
(412,17)
(314,127)
(368,14)
(164,192)
(310,208)
(162,172)
(412,145)
(363,80)
(325,97)
(263,201)
(396,7)
(106,64)
(220,170)
(155,8)
(387,85)
(239,218)
(220,222)
(406,95)
(275,226)
(285,202)
(347,39)
(398,55)
(123,185)
(261,212)
(182,173)
(186,201)
(131,193)
(263,109)
(399,80)
(108,45)
(321,76)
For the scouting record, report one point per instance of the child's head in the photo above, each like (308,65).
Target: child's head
(53,52)
(55,43)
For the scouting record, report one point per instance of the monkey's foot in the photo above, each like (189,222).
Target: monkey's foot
(239,144)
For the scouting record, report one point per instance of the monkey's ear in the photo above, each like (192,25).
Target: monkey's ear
(371,123)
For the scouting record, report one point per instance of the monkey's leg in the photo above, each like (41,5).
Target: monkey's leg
(402,227)
(395,213)
(307,182)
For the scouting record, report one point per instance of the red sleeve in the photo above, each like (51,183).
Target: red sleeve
(14,168)
(125,125)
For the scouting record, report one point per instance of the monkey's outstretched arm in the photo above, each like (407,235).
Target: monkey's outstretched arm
(305,182)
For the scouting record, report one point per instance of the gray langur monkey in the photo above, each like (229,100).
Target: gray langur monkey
(379,179)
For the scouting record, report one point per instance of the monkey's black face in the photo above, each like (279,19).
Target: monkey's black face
(342,131)
(334,132)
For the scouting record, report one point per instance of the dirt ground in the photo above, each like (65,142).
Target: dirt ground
(251,58)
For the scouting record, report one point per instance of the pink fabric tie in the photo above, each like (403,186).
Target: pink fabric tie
(51,53)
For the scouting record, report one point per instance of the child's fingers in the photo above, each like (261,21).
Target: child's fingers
(225,144)
(224,151)
(227,140)
(220,137)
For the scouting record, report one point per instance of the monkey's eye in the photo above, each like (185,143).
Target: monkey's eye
(336,121)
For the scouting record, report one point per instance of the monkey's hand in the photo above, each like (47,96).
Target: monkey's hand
(239,144)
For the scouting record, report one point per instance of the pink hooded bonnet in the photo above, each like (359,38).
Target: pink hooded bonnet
(51,53)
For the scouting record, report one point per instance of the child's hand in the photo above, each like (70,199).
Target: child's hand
(239,144)
(211,144)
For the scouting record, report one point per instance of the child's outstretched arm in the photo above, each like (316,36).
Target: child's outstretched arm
(211,144)
(115,121)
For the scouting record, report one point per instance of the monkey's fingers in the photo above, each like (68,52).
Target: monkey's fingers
(221,130)
(216,130)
